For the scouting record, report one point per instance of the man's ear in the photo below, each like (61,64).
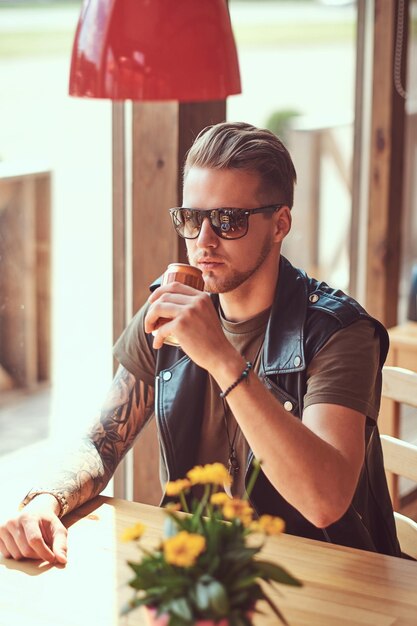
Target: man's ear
(282,223)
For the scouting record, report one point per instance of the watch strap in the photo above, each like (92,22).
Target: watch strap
(58,495)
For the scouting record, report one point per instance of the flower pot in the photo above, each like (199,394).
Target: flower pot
(152,619)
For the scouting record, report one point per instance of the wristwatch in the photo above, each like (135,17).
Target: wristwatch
(60,497)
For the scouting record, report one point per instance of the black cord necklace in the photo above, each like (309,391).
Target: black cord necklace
(232,462)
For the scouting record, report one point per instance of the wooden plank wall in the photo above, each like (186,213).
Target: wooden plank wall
(25,293)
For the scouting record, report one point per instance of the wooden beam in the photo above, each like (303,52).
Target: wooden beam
(120,261)
(154,244)
(154,190)
(358,143)
(386,166)
(192,118)
(162,133)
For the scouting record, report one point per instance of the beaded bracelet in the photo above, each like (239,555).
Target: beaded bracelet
(243,376)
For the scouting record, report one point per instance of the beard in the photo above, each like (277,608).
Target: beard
(215,284)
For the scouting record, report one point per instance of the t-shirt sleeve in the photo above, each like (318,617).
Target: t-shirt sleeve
(133,351)
(346,370)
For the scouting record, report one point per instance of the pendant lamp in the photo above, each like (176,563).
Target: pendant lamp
(154,50)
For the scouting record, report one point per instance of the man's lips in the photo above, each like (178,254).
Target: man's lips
(208,263)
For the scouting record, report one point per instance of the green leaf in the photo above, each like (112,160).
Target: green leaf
(202,597)
(210,595)
(242,583)
(170,527)
(270,571)
(276,610)
(180,607)
(134,603)
(214,564)
(175,620)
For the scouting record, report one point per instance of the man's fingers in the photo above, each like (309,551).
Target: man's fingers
(10,547)
(36,541)
(4,551)
(22,544)
(59,541)
(35,534)
(174,287)
(165,310)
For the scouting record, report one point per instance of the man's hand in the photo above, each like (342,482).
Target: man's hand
(35,533)
(192,320)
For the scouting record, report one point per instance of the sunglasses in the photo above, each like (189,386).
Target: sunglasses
(227,223)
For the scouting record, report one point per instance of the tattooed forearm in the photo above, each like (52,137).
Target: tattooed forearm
(128,406)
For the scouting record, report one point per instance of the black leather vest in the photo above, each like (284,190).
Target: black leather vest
(304,315)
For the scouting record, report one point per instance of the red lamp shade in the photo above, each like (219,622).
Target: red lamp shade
(154,50)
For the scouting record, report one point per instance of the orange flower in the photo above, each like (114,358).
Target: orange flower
(238,509)
(173,507)
(132,533)
(183,549)
(214,473)
(220,498)
(175,487)
(269,525)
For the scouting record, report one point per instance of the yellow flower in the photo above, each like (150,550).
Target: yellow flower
(214,473)
(238,509)
(183,549)
(220,498)
(173,507)
(134,532)
(269,525)
(175,487)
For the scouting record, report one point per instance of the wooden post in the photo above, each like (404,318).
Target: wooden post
(161,135)
(386,165)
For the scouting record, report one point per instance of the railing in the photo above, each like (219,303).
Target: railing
(323,202)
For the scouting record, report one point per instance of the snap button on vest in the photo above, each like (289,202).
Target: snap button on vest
(314,297)
(288,405)
(297,361)
(166,375)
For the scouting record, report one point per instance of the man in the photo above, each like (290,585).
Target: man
(272,364)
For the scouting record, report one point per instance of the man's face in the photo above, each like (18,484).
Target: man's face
(227,264)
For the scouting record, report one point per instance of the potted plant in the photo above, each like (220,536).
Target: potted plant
(204,571)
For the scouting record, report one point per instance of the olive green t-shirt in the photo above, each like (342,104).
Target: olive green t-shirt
(345,372)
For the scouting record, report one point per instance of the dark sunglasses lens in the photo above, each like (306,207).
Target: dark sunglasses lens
(226,223)
(186,223)
(229,224)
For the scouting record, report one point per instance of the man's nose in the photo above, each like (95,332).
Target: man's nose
(207,236)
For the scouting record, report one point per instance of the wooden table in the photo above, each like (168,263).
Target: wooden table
(342,586)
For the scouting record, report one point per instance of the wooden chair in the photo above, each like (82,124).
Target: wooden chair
(400,458)
(399,386)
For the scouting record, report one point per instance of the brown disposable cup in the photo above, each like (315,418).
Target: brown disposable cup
(181,273)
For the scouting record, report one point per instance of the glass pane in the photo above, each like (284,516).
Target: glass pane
(297,62)
(49,140)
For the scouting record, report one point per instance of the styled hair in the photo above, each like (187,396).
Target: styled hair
(237,145)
